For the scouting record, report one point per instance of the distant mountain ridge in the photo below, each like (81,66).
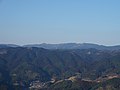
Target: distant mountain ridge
(74,46)
(66,46)
(8,45)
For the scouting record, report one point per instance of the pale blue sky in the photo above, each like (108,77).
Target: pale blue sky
(60,21)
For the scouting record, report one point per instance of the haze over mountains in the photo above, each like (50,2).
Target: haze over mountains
(32,65)
(60,67)
(66,46)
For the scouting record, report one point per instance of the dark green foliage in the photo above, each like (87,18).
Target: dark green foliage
(28,64)
(68,85)
(112,84)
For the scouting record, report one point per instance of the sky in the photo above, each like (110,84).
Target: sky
(60,21)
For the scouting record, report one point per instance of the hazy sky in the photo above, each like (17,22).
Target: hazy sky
(60,21)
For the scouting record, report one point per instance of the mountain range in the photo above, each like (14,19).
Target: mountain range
(66,46)
(59,67)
